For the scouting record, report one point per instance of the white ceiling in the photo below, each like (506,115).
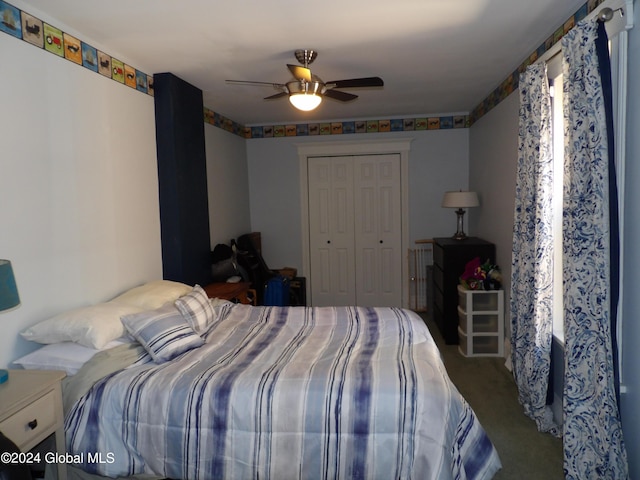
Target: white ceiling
(435,56)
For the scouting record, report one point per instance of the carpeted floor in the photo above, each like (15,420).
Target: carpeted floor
(489,388)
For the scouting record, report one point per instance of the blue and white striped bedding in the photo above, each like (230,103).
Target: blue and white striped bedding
(288,393)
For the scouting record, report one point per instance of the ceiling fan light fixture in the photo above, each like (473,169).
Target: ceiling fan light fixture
(305,101)
(305,96)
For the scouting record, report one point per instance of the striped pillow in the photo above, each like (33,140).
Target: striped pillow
(163,332)
(196,309)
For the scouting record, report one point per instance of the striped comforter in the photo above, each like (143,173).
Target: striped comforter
(288,393)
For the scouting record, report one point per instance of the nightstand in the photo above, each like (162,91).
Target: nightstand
(31,410)
(481,322)
(234,292)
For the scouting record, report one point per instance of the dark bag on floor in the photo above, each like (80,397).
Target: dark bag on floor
(223,263)
(276,291)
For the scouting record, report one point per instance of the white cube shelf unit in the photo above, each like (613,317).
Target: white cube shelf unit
(481,322)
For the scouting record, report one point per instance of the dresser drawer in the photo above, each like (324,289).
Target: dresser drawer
(438,255)
(33,423)
(438,278)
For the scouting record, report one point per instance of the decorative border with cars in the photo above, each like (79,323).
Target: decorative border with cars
(22,25)
(337,128)
(31,29)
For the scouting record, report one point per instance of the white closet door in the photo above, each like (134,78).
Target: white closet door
(378,222)
(355,230)
(331,226)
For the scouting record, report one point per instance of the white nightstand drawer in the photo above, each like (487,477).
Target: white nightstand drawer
(33,423)
(480,345)
(480,323)
(478,300)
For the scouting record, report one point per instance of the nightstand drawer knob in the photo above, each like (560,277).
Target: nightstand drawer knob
(33,424)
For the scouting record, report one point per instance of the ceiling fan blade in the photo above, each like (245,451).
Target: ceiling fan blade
(357,82)
(277,95)
(338,95)
(300,73)
(258,84)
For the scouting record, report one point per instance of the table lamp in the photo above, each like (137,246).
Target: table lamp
(460,200)
(9,297)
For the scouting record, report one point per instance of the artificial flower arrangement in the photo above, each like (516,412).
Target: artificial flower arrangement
(477,276)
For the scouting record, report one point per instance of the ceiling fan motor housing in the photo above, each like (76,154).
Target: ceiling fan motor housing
(306,57)
(300,86)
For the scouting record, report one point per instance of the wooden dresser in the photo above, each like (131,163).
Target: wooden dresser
(449,259)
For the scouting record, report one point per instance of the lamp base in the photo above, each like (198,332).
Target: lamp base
(460,235)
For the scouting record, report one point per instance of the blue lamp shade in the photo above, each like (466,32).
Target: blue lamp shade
(9,297)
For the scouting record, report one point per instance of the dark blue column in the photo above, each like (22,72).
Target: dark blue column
(182,178)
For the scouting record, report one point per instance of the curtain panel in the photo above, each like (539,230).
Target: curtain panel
(531,303)
(592,432)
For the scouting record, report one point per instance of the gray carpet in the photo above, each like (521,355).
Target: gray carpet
(490,390)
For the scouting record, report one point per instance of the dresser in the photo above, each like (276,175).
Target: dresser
(450,257)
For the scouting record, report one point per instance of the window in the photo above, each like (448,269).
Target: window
(554,72)
(618,55)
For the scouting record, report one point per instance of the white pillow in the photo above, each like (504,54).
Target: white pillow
(92,326)
(67,356)
(154,294)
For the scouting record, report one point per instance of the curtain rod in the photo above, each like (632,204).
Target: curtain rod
(606,13)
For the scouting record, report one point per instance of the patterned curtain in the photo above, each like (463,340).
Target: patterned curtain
(593,442)
(532,256)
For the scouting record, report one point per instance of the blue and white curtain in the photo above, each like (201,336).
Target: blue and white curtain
(531,302)
(593,442)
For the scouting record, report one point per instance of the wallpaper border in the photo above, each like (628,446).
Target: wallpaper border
(510,84)
(24,26)
(337,128)
(31,29)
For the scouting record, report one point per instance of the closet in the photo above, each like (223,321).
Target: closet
(355,229)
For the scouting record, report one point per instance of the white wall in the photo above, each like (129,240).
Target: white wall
(438,161)
(227,183)
(79,213)
(493,158)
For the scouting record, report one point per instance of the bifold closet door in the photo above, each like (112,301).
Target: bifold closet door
(355,230)
(331,226)
(377,233)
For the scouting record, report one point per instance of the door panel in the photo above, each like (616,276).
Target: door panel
(331,231)
(378,220)
(355,230)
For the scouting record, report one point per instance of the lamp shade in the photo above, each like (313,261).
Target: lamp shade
(305,95)
(9,297)
(305,101)
(460,199)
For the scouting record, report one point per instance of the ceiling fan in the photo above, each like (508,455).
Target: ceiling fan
(307,90)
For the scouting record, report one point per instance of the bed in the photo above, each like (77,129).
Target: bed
(274,393)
